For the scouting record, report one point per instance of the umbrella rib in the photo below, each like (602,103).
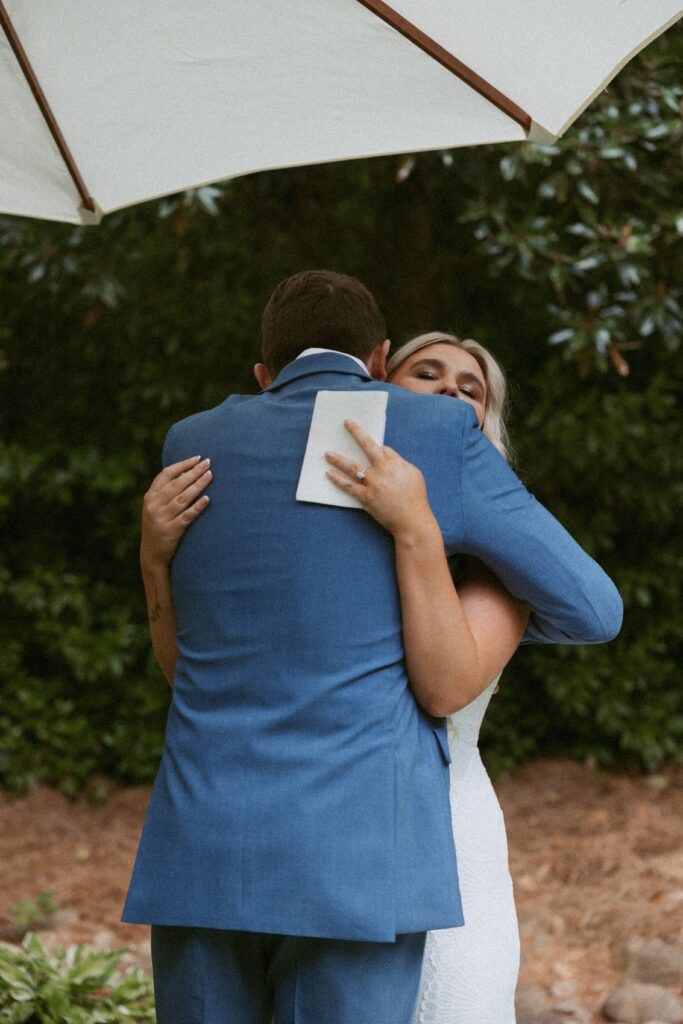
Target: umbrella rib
(45,109)
(448,61)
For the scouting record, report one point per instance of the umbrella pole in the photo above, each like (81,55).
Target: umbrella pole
(45,109)
(448,61)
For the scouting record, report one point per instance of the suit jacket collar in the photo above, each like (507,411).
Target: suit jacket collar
(324,362)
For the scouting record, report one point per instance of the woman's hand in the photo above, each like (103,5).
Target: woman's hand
(173,501)
(391,489)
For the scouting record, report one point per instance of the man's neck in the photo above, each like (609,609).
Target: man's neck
(318,351)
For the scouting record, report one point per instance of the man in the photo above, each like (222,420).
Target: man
(298,843)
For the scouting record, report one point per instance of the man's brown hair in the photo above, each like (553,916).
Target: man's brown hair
(319,309)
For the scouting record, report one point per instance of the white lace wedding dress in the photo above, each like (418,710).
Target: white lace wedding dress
(469,973)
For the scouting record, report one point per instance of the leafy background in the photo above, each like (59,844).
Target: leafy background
(565,260)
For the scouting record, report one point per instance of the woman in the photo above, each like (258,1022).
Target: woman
(456,643)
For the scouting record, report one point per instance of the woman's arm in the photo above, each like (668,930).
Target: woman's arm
(161,615)
(170,505)
(455,642)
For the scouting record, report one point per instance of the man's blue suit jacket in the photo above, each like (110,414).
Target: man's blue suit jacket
(302,791)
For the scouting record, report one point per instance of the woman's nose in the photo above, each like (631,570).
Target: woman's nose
(450,389)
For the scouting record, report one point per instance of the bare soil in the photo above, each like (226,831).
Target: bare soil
(596,859)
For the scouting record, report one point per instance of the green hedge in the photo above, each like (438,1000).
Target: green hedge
(566,260)
(80,985)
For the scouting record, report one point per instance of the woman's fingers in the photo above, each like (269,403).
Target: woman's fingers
(195,510)
(186,479)
(172,503)
(347,483)
(179,490)
(171,472)
(373,450)
(191,490)
(343,464)
(169,531)
(375,453)
(168,511)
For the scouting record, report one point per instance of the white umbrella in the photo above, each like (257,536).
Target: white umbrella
(104,104)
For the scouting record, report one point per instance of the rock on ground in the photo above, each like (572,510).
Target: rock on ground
(638,1003)
(651,960)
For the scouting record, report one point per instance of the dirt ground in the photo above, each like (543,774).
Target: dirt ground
(596,859)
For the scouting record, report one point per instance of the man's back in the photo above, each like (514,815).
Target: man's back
(302,790)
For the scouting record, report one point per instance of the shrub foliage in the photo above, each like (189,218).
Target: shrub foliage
(80,985)
(566,260)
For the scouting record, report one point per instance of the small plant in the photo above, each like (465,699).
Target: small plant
(31,912)
(80,985)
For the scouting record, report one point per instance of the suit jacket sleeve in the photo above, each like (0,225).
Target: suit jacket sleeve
(572,600)
(168,452)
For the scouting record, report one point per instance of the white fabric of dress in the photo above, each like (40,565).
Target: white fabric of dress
(469,974)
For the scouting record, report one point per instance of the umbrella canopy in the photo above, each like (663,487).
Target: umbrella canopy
(109,104)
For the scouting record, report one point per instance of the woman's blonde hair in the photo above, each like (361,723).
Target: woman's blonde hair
(495,408)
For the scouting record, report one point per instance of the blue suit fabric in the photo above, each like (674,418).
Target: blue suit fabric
(302,791)
(212,977)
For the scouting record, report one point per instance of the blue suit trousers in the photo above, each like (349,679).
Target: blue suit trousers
(209,976)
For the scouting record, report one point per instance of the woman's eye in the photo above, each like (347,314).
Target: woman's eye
(426,375)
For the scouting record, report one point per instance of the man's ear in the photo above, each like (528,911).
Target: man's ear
(263,376)
(377,361)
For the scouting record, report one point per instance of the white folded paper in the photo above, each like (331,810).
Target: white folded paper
(328,434)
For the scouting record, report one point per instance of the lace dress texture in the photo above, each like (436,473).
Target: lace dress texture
(469,974)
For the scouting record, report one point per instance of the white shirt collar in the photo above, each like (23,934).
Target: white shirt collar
(317,351)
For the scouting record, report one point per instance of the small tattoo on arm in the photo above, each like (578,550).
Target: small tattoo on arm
(155,612)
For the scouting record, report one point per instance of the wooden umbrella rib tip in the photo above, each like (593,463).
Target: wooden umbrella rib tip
(43,105)
(447,60)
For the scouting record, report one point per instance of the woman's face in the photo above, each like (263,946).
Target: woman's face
(442,369)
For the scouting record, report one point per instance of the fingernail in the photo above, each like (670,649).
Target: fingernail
(206,462)
(196,458)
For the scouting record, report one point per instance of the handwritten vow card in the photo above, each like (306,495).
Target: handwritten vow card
(328,434)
